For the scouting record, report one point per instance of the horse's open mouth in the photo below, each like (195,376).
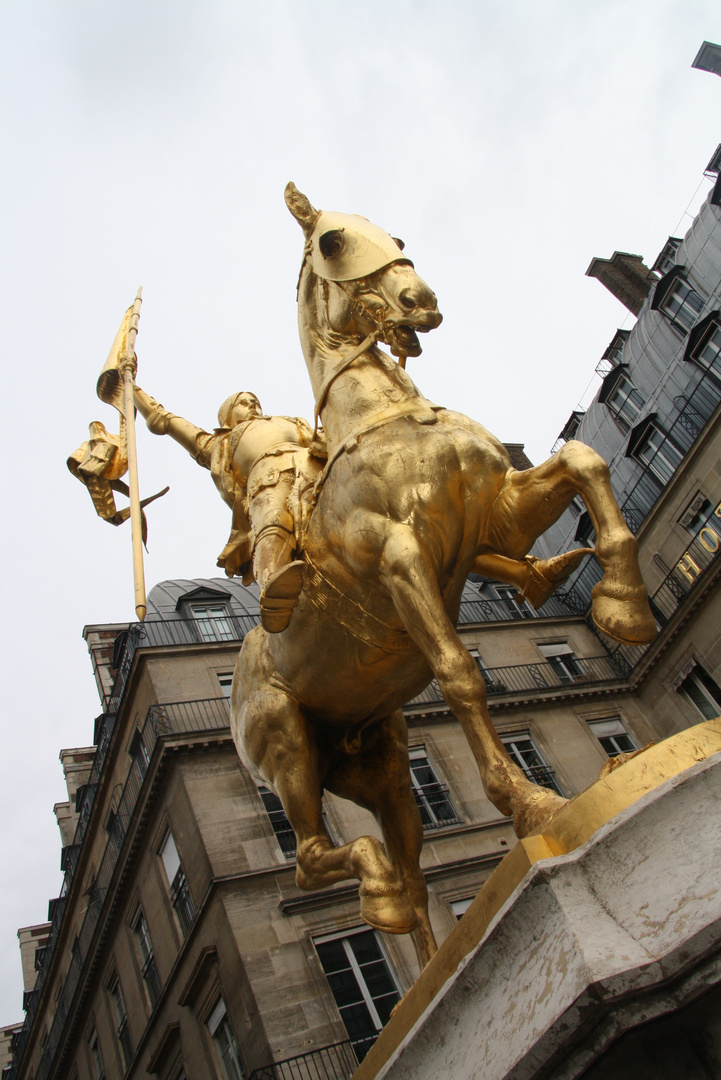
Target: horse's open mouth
(404,340)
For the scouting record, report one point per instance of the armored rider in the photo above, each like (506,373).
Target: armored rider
(254,461)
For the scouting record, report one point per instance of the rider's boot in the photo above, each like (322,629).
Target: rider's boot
(544,576)
(279,595)
(280,579)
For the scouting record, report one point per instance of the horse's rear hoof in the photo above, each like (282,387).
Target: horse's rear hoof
(390,912)
(625,616)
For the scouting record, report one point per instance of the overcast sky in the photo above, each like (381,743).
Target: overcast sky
(148,143)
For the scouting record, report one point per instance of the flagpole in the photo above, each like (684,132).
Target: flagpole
(127,369)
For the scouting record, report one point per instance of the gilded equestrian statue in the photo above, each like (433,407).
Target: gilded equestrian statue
(412,498)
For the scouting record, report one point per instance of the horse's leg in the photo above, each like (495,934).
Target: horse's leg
(379,778)
(275,737)
(532,500)
(409,576)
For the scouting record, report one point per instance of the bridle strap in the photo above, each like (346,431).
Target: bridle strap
(352,356)
(339,369)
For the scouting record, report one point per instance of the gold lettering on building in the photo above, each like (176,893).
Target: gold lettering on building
(688,567)
(709,539)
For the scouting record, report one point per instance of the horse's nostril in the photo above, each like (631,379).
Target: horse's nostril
(407,300)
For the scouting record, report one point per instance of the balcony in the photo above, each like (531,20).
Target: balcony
(544,675)
(337,1062)
(485,610)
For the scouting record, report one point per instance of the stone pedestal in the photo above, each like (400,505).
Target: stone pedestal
(602,962)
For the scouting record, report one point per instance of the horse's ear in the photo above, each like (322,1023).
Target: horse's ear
(301,208)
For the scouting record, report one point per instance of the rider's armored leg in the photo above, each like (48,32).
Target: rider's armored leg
(280,579)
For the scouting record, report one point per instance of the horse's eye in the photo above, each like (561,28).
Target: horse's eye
(331,243)
(400,243)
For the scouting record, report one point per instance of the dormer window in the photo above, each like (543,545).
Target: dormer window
(704,344)
(570,428)
(622,397)
(613,356)
(650,445)
(210,612)
(213,622)
(678,300)
(667,258)
(625,402)
(713,168)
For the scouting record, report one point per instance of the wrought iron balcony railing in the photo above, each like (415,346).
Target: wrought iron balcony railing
(543,675)
(337,1062)
(484,610)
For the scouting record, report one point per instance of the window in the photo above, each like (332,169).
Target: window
(523,752)
(96,1057)
(572,425)
(658,454)
(225,1044)
(508,604)
(362,984)
(121,1019)
(564,662)
(667,259)
(432,797)
(613,356)
(585,533)
(139,753)
(460,907)
(708,353)
(180,896)
(702,691)
(682,303)
(487,677)
(226,685)
(148,969)
(625,402)
(281,826)
(115,830)
(213,622)
(503,600)
(612,736)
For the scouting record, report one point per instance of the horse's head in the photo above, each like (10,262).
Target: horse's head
(373,288)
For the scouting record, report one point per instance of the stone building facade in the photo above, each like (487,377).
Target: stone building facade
(180,945)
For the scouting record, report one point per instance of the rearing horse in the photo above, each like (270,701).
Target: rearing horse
(412,499)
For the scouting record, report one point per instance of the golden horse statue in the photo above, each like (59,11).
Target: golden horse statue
(412,499)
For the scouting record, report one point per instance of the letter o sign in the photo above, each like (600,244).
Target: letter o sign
(709,539)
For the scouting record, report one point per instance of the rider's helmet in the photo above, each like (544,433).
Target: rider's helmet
(344,247)
(226,409)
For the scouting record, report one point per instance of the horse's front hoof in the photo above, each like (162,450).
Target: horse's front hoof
(623,613)
(388,910)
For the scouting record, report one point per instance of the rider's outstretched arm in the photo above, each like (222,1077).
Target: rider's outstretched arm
(162,422)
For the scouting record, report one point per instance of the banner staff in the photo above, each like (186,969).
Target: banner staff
(127,368)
